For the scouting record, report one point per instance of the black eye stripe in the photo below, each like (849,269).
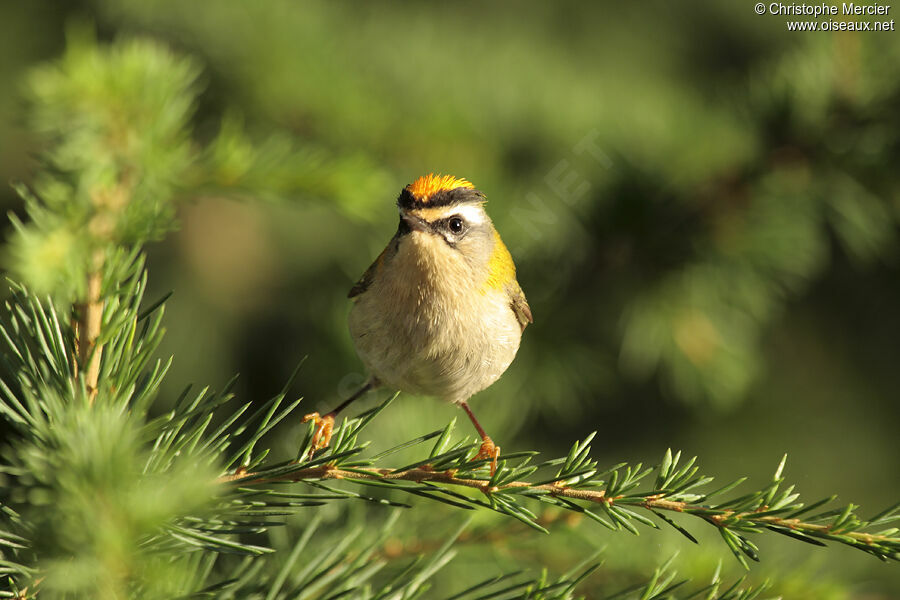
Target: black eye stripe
(454,224)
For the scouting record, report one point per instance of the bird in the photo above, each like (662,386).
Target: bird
(440,312)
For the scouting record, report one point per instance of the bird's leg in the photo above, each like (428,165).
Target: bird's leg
(325,424)
(488,448)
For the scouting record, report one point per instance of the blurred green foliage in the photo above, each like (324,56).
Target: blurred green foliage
(119,144)
(77,493)
(703,209)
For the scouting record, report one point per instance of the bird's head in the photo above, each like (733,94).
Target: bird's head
(443,219)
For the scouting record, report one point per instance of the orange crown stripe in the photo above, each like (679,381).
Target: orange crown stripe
(427,186)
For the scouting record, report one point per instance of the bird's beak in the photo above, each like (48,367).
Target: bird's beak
(414,222)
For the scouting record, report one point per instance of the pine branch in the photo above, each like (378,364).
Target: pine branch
(578,485)
(87,329)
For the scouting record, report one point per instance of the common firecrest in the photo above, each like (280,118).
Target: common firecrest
(439,313)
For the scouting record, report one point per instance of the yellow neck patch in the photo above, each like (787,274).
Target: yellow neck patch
(501,269)
(427,186)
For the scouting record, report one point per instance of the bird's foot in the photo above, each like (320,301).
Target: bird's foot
(489,450)
(324,429)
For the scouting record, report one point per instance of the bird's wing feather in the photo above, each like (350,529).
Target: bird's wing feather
(519,304)
(369,276)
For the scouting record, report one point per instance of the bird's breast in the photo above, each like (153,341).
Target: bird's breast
(428,325)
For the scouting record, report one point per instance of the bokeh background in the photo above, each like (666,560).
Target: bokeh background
(703,208)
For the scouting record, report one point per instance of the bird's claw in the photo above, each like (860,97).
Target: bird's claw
(324,429)
(489,450)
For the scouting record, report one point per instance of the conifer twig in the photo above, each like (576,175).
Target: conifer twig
(87,328)
(576,483)
(719,518)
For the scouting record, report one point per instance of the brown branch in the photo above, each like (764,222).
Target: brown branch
(108,202)
(423,474)
(720,520)
(657,502)
(87,329)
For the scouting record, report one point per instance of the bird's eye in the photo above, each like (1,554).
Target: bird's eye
(456,225)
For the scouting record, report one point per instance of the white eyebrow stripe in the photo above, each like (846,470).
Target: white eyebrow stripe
(472,213)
